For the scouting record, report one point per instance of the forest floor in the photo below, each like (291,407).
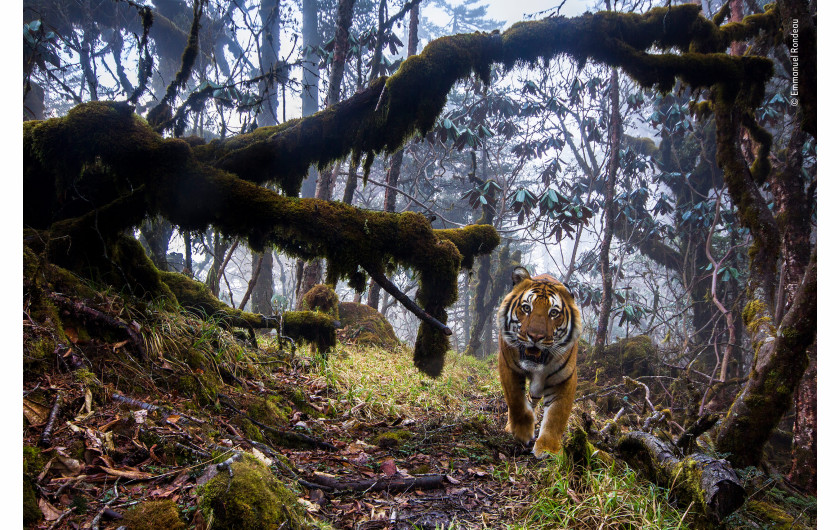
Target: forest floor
(132,431)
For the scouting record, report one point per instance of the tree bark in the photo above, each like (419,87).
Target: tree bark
(263,282)
(803,469)
(609,216)
(780,360)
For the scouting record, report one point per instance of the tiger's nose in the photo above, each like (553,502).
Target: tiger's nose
(536,337)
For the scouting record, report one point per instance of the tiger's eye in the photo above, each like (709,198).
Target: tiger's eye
(526,309)
(554,313)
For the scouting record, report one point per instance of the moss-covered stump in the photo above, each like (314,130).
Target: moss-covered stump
(362,324)
(154,515)
(316,328)
(632,357)
(322,298)
(253,498)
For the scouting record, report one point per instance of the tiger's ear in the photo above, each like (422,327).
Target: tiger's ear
(519,274)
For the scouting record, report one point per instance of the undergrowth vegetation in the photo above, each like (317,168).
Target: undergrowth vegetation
(597,497)
(386,382)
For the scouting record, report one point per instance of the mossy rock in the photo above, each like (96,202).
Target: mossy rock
(632,357)
(392,438)
(253,498)
(365,325)
(154,515)
(321,298)
(774,516)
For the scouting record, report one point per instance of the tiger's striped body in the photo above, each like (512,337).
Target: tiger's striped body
(539,326)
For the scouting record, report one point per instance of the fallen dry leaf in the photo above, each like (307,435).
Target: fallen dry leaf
(35,413)
(51,513)
(389,467)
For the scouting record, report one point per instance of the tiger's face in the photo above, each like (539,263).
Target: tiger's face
(538,318)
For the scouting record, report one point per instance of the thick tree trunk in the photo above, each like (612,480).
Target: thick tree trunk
(609,216)
(220,248)
(803,471)
(268,57)
(157,232)
(780,360)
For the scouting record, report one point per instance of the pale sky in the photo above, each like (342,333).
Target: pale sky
(514,10)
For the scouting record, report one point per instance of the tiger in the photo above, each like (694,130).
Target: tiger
(539,326)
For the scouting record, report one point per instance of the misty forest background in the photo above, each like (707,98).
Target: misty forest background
(681,212)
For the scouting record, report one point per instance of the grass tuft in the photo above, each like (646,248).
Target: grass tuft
(597,497)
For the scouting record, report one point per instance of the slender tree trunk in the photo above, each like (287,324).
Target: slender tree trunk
(609,216)
(395,165)
(263,290)
(188,267)
(310,79)
(220,248)
(313,271)
(263,283)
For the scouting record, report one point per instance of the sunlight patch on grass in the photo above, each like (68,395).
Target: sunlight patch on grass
(387,382)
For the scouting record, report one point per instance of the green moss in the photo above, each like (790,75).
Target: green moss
(154,515)
(633,357)
(321,298)
(365,325)
(770,514)
(471,241)
(392,438)
(266,411)
(202,387)
(39,352)
(253,499)
(33,461)
(31,512)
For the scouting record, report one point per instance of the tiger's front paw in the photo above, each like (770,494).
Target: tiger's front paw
(545,445)
(522,430)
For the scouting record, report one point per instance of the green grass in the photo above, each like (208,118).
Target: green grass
(386,382)
(598,497)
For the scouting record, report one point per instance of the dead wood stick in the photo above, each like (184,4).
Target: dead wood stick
(94,525)
(289,436)
(409,304)
(382,484)
(151,408)
(94,316)
(296,437)
(703,424)
(252,283)
(48,428)
(628,381)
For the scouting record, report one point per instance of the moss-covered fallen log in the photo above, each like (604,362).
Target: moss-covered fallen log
(708,485)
